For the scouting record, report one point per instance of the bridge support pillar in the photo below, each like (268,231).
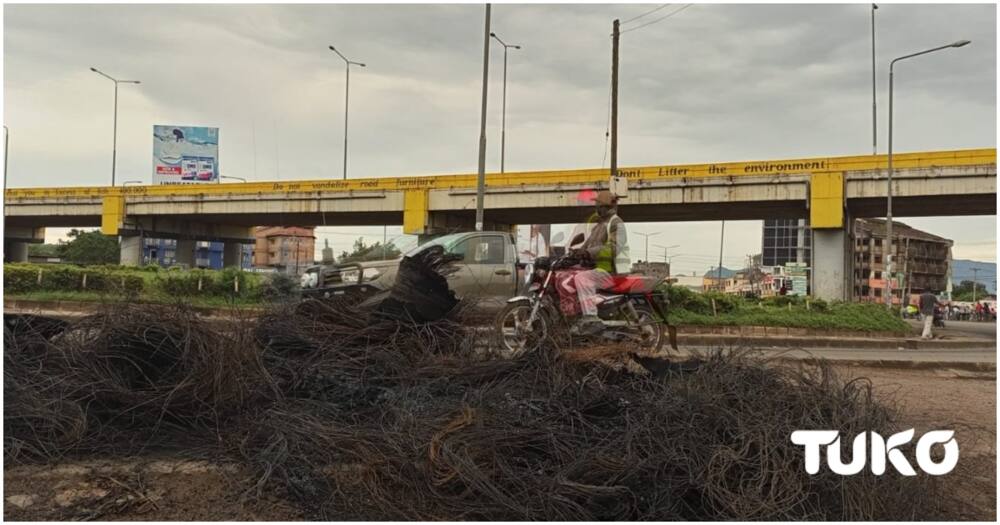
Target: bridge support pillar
(130,248)
(442,223)
(831,269)
(232,254)
(184,253)
(16,240)
(16,251)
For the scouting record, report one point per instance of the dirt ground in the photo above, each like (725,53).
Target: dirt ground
(950,399)
(172,489)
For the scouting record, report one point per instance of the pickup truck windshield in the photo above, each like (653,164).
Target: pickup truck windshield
(447,241)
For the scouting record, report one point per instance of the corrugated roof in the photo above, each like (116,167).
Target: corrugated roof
(899,229)
(714,273)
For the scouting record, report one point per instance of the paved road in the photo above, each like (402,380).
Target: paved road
(986,354)
(986,330)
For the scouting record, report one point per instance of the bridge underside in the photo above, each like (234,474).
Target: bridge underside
(925,206)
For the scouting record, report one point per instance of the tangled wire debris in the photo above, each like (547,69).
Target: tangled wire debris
(354,414)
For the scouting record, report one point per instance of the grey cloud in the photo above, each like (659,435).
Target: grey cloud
(713,83)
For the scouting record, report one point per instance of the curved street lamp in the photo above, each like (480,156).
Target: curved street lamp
(889,251)
(503,113)
(347,94)
(114,139)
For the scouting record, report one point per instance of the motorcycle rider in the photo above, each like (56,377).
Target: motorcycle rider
(607,246)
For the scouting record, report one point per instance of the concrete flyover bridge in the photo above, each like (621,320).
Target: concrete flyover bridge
(830,191)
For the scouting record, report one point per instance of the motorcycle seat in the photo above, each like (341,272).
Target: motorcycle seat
(631,284)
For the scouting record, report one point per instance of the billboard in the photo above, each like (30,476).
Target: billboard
(185,155)
(797,272)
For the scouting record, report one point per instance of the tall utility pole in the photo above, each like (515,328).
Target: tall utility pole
(114,135)
(347,98)
(615,34)
(975,282)
(874,127)
(722,242)
(6,148)
(481,178)
(503,112)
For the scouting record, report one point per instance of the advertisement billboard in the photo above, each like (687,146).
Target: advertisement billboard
(797,273)
(185,154)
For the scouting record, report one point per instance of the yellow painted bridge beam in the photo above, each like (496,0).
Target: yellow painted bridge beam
(815,166)
(112,214)
(826,200)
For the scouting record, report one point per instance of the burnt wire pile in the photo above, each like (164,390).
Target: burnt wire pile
(130,377)
(41,420)
(539,438)
(389,411)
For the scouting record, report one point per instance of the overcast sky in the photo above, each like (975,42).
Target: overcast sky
(711,83)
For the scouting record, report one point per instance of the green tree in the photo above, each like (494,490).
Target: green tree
(90,247)
(963,292)
(364,252)
(44,250)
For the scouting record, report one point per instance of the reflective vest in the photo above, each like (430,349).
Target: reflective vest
(609,258)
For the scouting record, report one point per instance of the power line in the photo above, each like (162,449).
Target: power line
(644,14)
(664,17)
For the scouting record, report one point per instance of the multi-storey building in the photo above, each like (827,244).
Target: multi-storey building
(786,240)
(206,254)
(922,261)
(284,248)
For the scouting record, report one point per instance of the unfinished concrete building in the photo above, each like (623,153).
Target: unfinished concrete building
(923,261)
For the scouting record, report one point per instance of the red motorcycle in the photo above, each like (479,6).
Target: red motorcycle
(631,309)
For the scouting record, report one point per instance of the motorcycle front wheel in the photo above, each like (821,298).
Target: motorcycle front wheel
(650,330)
(514,335)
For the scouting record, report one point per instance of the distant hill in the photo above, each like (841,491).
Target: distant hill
(961,270)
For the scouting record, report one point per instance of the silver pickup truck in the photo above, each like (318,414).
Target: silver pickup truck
(487,272)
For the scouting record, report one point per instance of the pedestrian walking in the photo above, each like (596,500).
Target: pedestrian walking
(928,301)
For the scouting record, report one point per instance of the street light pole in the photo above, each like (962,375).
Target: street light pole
(503,113)
(114,134)
(889,252)
(347,98)
(647,236)
(666,260)
(874,112)
(481,175)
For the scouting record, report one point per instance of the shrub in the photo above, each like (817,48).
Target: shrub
(783,300)
(819,305)
(184,283)
(19,278)
(724,303)
(279,287)
(224,279)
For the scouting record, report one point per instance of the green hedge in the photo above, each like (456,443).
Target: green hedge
(221,283)
(21,278)
(24,278)
(688,307)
